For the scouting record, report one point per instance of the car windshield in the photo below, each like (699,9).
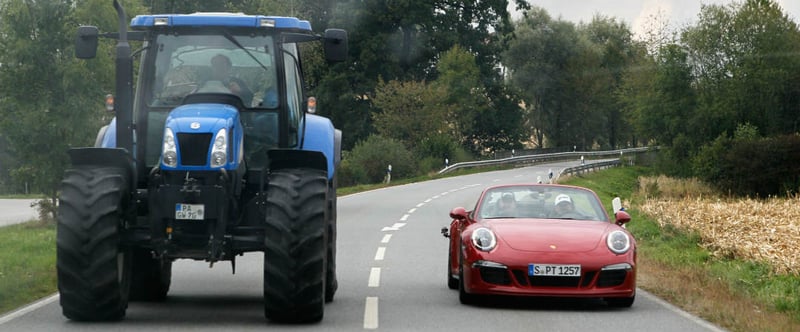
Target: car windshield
(541,202)
(187,64)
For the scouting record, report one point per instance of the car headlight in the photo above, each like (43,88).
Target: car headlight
(618,242)
(219,152)
(169,154)
(484,239)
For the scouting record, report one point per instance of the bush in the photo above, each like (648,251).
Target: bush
(369,160)
(751,166)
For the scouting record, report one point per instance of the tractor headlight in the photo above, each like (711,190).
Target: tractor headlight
(618,242)
(484,239)
(219,152)
(169,154)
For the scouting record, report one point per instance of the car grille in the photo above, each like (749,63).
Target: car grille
(194,148)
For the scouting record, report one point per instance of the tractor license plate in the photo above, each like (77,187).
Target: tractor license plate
(189,211)
(554,270)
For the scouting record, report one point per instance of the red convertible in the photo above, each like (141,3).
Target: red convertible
(541,240)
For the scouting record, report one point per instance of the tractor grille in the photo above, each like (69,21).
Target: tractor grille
(194,148)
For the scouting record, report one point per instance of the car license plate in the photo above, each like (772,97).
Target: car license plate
(554,270)
(189,211)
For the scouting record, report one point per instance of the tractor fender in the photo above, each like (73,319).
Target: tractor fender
(322,137)
(102,157)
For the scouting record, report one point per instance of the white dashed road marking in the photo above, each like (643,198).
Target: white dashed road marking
(374,281)
(380,253)
(371,313)
(374,277)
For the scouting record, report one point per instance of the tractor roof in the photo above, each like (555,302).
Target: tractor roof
(146,22)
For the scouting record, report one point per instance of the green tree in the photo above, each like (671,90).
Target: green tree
(409,111)
(611,44)
(658,96)
(745,63)
(47,105)
(402,40)
(541,60)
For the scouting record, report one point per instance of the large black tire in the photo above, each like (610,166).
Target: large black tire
(150,278)
(331,282)
(295,246)
(93,269)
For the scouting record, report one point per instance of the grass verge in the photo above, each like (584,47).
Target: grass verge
(734,294)
(27,264)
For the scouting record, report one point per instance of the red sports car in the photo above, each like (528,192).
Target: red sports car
(541,240)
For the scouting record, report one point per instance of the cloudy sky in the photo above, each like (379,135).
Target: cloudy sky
(637,12)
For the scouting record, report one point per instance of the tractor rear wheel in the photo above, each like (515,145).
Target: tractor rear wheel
(93,269)
(295,246)
(331,283)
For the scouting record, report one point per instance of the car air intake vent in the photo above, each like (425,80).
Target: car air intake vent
(611,278)
(495,275)
(194,148)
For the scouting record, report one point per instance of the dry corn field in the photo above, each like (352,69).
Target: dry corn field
(760,230)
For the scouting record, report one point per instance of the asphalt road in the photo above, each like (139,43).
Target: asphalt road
(391,268)
(15,211)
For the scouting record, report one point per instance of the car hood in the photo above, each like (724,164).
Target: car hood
(549,235)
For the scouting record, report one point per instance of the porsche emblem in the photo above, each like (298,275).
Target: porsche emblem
(553,246)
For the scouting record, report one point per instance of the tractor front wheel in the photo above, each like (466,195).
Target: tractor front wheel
(295,246)
(93,269)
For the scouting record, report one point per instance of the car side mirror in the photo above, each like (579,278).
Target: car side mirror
(459,213)
(622,217)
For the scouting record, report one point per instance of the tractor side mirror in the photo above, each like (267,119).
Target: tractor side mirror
(86,42)
(335,45)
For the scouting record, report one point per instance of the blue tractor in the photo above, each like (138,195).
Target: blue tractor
(214,151)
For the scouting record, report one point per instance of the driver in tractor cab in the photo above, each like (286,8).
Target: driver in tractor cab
(221,71)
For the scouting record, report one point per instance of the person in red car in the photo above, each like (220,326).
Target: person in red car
(564,207)
(507,206)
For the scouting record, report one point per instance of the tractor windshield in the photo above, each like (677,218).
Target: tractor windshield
(187,64)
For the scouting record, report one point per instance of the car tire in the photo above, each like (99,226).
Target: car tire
(93,269)
(295,246)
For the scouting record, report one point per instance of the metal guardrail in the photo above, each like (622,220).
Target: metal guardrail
(538,158)
(589,167)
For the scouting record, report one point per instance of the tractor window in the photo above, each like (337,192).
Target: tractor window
(212,63)
(294,90)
